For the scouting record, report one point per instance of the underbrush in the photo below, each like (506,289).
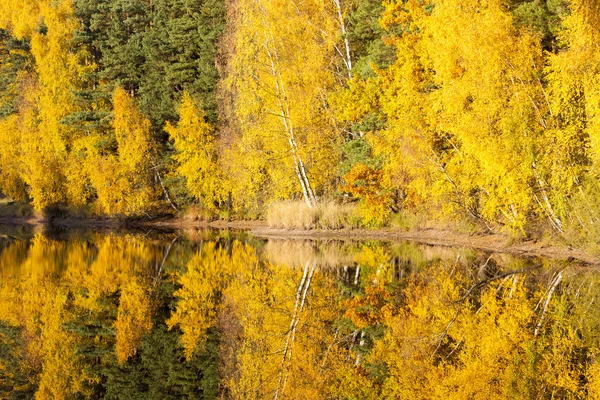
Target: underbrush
(296,214)
(422,220)
(196,212)
(9,208)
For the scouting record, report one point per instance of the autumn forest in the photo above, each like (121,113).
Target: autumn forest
(486,111)
(476,116)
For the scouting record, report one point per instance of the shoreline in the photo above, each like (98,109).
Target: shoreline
(492,242)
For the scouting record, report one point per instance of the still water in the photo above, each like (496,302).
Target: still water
(213,314)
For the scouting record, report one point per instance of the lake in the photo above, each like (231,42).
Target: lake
(218,314)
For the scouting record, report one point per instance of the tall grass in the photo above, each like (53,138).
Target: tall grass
(196,212)
(292,214)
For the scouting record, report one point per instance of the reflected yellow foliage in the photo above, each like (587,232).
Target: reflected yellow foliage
(48,284)
(208,273)
(388,322)
(134,319)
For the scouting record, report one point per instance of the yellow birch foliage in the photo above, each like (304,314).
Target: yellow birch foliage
(119,260)
(573,74)
(20,17)
(33,300)
(285,345)
(63,375)
(11,182)
(281,74)
(465,109)
(45,140)
(365,183)
(197,154)
(124,182)
(46,164)
(48,285)
(573,145)
(446,330)
(475,348)
(120,265)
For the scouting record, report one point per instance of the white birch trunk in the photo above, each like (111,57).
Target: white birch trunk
(348,56)
(307,191)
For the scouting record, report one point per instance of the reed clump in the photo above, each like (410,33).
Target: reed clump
(296,214)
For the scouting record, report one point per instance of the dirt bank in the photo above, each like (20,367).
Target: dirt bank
(486,242)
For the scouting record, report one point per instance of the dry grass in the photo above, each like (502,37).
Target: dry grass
(198,213)
(337,216)
(297,215)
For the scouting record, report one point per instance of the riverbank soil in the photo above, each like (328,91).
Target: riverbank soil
(12,213)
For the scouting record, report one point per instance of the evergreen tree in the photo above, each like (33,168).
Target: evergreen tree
(367,38)
(120,27)
(541,16)
(180,51)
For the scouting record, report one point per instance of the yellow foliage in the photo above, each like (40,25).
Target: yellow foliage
(10,159)
(124,182)
(365,183)
(62,374)
(444,330)
(466,112)
(286,143)
(208,273)
(20,17)
(40,145)
(49,286)
(40,308)
(134,319)
(197,155)
(58,74)
(283,341)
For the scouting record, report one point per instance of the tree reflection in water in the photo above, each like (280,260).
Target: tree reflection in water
(214,316)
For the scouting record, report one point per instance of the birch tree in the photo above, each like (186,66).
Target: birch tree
(280,73)
(196,157)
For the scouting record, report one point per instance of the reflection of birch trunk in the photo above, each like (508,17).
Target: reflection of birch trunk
(461,302)
(162,264)
(284,114)
(286,359)
(361,343)
(554,284)
(333,342)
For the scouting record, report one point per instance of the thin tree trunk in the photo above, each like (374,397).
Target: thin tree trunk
(164,188)
(546,205)
(553,286)
(348,57)
(307,191)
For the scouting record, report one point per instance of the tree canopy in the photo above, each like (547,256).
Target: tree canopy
(478,110)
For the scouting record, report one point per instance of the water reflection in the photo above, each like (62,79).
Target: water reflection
(126,316)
